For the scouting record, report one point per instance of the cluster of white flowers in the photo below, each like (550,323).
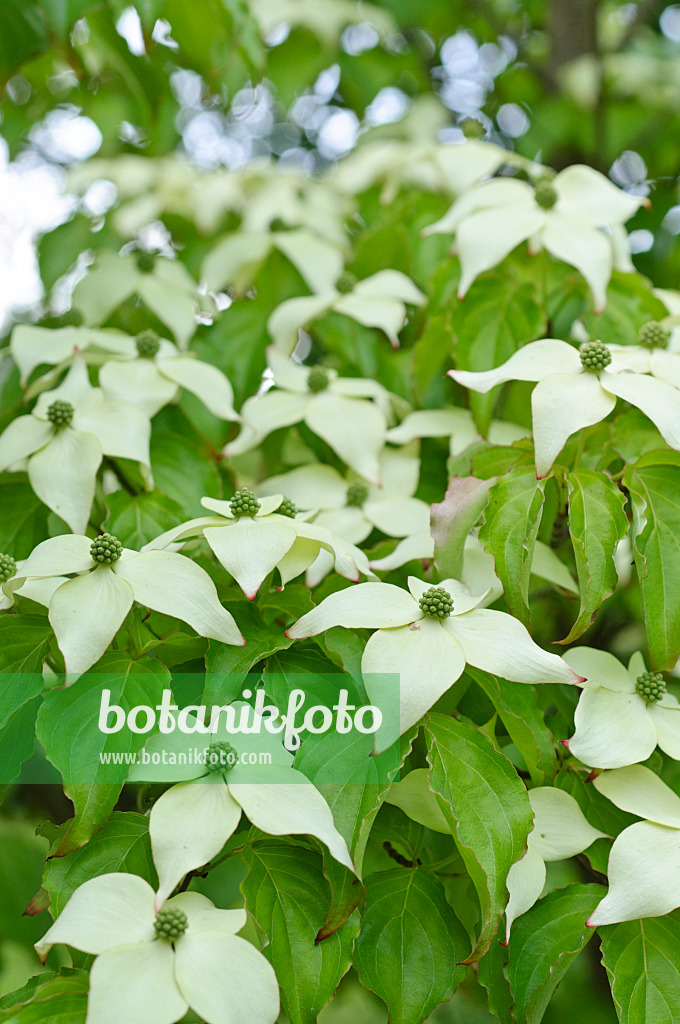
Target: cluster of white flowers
(312,519)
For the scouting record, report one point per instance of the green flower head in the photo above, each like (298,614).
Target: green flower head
(437,602)
(244,503)
(106,549)
(60,414)
(8,567)
(650,686)
(654,335)
(170,924)
(148,343)
(595,356)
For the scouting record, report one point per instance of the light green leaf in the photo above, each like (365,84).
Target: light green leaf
(410,945)
(135,519)
(289,897)
(488,808)
(641,958)
(597,522)
(654,486)
(509,531)
(452,519)
(543,945)
(57,999)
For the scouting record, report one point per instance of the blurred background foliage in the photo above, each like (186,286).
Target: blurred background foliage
(300,81)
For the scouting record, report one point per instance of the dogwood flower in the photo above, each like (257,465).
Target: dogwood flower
(191,821)
(164,285)
(564,215)
(236,259)
(378,301)
(151,373)
(622,714)
(33,346)
(351,508)
(251,538)
(439,167)
(36,590)
(425,636)
(644,863)
(560,831)
(457,424)
(153,965)
(333,407)
(652,357)
(578,388)
(87,611)
(65,438)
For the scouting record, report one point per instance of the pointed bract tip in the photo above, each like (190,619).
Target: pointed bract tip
(242,641)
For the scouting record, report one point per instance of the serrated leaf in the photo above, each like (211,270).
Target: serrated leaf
(410,945)
(544,943)
(641,958)
(597,522)
(289,897)
(487,806)
(509,531)
(519,710)
(654,486)
(227,666)
(57,999)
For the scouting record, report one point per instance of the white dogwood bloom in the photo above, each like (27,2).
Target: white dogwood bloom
(164,285)
(644,863)
(439,167)
(456,424)
(378,301)
(623,713)
(425,636)
(33,346)
(252,537)
(578,388)
(350,508)
(191,821)
(151,372)
(87,611)
(236,259)
(560,831)
(152,966)
(563,215)
(348,413)
(65,438)
(39,590)
(657,362)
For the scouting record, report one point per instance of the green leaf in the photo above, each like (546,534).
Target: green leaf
(22,34)
(17,740)
(410,945)
(430,353)
(236,662)
(641,958)
(183,470)
(452,519)
(654,486)
(597,522)
(121,845)
(543,945)
(289,897)
(57,999)
(23,523)
(509,532)
(520,712)
(24,642)
(490,325)
(135,519)
(68,728)
(492,974)
(487,807)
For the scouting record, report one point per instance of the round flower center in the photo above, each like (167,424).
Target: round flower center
(60,414)
(106,549)
(436,601)
(545,194)
(318,379)
(346,283)
(146,261)
(220,757)
(595,356)
(650,686)
(244,503)
(71,318)
(279,224)
(472,128)
(287,508)
(8,567)
(170,924)
(654,335)
(356,494)
(148,344)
